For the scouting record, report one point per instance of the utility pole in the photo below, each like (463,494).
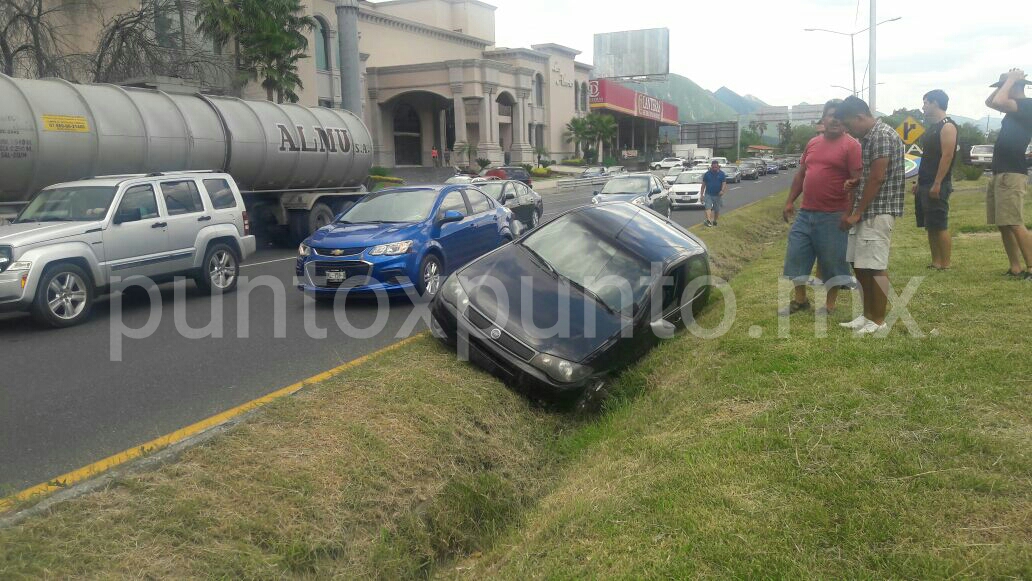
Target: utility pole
(874,57)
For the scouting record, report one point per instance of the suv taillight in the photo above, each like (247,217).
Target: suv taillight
(247,224)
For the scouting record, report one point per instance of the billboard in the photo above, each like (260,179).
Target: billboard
(616,97)
(632,53)
(719,135)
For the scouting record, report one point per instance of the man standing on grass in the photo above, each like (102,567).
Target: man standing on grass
(714,184)
(877,202)
(1005,196)
(828,162)
(934,178)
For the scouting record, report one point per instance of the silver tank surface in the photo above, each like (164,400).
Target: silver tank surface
(54,131)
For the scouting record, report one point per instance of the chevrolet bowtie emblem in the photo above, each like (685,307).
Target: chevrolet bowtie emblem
(337,252)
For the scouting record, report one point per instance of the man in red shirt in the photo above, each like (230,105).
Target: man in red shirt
(828,161)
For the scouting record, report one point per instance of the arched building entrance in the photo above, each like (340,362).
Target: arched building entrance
(408,136)
(416,122)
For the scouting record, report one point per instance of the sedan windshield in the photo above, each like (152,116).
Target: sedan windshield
(690,177)
(982,149)
(635,185)
(70,204)
(392,206)
(593,261)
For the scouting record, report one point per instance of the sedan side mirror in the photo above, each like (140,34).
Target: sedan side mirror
(509,196)
(595,193)
(128,215)
(451,216)
(657,191)
(663,328)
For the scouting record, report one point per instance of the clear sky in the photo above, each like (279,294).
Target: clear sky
(759,47)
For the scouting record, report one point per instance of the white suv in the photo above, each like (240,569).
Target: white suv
(668,163)
(74,238)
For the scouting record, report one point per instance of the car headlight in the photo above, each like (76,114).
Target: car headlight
(453,293)
(392,249)
(304,250)
(560,369)
(20,265)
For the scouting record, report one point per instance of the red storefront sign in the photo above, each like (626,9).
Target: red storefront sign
(616,97)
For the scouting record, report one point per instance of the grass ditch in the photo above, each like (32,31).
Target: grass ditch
(807,456)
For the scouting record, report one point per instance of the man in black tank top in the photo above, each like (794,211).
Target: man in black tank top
(934,179)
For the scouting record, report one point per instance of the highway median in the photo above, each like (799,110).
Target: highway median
(751,454)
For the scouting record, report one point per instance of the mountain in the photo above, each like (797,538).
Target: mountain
(693,102)
(741,105)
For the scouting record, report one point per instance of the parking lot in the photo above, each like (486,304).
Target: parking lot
(67,404)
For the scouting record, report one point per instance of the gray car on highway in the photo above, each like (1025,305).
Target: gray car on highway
(73,240)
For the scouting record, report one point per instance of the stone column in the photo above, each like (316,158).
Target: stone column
(350,64)
(459,104)
(522,150)
(376,129)
(489,127)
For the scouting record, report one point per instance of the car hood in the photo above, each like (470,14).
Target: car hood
(355,235)
(511,266)
(619,197)
(38,232)
(687,188)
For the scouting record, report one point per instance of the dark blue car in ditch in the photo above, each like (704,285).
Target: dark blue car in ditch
(402,238)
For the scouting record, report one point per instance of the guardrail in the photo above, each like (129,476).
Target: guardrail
(581,182)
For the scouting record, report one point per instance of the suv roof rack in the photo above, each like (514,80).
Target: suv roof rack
(151,174)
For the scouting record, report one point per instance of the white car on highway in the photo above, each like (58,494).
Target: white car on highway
(687,189)
(982,155)
(671,175)
(668,163)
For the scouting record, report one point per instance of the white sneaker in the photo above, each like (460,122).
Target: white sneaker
(869,329)
(855,324)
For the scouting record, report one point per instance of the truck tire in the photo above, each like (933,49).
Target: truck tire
(303,224)
(64,296)
(220,270)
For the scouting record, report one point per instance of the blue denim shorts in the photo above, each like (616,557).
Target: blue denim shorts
(816,237)
(713,202)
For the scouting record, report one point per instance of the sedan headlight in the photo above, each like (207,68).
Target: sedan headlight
(453,293)
(304,250)
(392,249)
(560,369)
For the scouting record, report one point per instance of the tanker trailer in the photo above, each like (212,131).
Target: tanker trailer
(296,166)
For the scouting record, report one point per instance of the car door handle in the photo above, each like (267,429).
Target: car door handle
(204,219)
(159,225)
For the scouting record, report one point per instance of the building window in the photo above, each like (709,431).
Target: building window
(322,44)
(584,96)
(326,103)
(576,97)
(539,90)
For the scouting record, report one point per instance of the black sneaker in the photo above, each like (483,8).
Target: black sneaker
(1026,276)
(714,222)
(794,307)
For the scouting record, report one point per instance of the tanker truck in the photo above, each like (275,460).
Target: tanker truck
(297,167)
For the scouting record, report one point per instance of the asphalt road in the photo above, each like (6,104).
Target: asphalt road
(64,403)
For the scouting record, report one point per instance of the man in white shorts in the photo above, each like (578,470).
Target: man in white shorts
(877,202)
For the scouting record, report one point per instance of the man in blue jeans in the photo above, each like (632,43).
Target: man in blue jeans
(828,161)
(714,183)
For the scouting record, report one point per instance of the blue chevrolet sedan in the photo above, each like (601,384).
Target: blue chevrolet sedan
(402,238)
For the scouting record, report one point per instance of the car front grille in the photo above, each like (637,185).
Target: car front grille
(338,251)
(504,339)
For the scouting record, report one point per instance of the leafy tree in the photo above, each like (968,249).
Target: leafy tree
(603,130)
(784,134)
(749,137)
(801,135)
(269,39)
(577,132)
(30,44)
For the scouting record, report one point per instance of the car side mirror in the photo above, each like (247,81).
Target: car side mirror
(451,216)
(509,196)
(595,193)
(663,328)
(657,191)
(128,215)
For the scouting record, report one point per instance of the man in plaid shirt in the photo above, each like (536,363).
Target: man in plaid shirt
(877,202)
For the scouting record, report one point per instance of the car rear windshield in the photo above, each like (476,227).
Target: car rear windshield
(593,260)
(392,206)
(635,185)
(982,149)
(69,204)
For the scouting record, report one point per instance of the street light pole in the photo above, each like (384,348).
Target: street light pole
(874,57)
(852,61)
(852,49)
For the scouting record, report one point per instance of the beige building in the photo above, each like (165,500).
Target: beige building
(431,76)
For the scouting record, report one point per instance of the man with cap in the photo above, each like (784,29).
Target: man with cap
(714,183)
(1005,195)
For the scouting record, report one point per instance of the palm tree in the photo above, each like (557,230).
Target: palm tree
(577,131)
(761,128)
(603,129)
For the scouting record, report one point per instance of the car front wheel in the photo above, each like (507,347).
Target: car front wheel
(64,297)
(430,273)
